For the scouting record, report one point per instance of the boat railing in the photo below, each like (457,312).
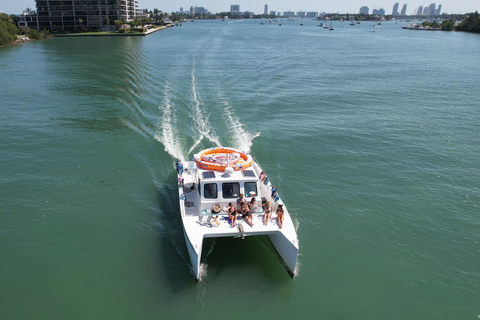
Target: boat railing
(181,197)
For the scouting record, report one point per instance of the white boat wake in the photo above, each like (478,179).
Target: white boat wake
(168,123)
(201,122)
(242,139)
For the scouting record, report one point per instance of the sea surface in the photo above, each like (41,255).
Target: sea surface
(371,138)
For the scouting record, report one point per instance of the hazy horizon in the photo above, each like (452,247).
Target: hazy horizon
(215,6)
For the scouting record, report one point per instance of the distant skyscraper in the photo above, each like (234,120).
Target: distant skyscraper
(364,10)
(404,10)
(439,10)
(420,10)
(235,8)
(265,12)
(381,12)
(312,14)
(375,11)
(431,9)
(395,9)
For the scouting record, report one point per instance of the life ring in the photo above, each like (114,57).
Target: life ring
(219,158)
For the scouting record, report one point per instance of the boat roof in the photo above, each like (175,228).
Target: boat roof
(206,176)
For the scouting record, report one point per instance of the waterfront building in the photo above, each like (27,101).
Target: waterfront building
(420,10)
(198,10)
(364,10)
(77,15)
(28,18)
(301,14)
(312,14)
(395,9)
(273,13)
(404,10)
(381,12)
(265,11)
(235,8)
(288,14)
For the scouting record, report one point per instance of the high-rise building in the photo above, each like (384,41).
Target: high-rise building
(430,10)
(77,15)
(438,11)
(374,11)
(301,14)
(288,14)
(395,9)
(312,14)
(364,10)
(273,13)
(198,10)
(265,11)
(381,12)
(404,10)
(420,10)
(235,8)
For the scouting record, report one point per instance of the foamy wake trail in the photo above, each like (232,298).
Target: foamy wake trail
(168,136)
(201,122)
(242,139)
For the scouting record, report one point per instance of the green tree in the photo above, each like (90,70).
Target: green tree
(448,25)
(8,30)
(118,23)
(470,24)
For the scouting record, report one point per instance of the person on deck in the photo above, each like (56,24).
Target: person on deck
(240,200)
(232,214)
(245,211)
(267,209)
(253,206)
(280,214)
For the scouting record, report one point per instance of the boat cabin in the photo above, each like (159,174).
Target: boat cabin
(216,187)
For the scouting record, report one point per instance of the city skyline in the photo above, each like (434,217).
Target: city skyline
(215,6)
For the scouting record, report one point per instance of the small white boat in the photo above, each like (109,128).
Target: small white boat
(213,179)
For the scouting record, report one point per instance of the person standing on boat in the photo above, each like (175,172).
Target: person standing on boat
(232,214)
(280,214)
(245,211)
(267,209)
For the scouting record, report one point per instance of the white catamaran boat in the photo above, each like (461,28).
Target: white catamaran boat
(213,179)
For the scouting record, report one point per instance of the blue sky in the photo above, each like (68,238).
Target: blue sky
(342,6)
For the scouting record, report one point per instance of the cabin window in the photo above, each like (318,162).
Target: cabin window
(231,190)
(210,190)
(250,189)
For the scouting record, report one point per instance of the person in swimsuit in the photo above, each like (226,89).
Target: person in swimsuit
(245,211)
(280,214)
(267,209)
(232,214)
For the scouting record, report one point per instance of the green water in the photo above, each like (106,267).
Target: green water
(372,140)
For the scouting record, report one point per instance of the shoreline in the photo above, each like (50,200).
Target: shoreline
(94,34)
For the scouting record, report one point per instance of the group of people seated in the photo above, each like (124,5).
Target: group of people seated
(248,209)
